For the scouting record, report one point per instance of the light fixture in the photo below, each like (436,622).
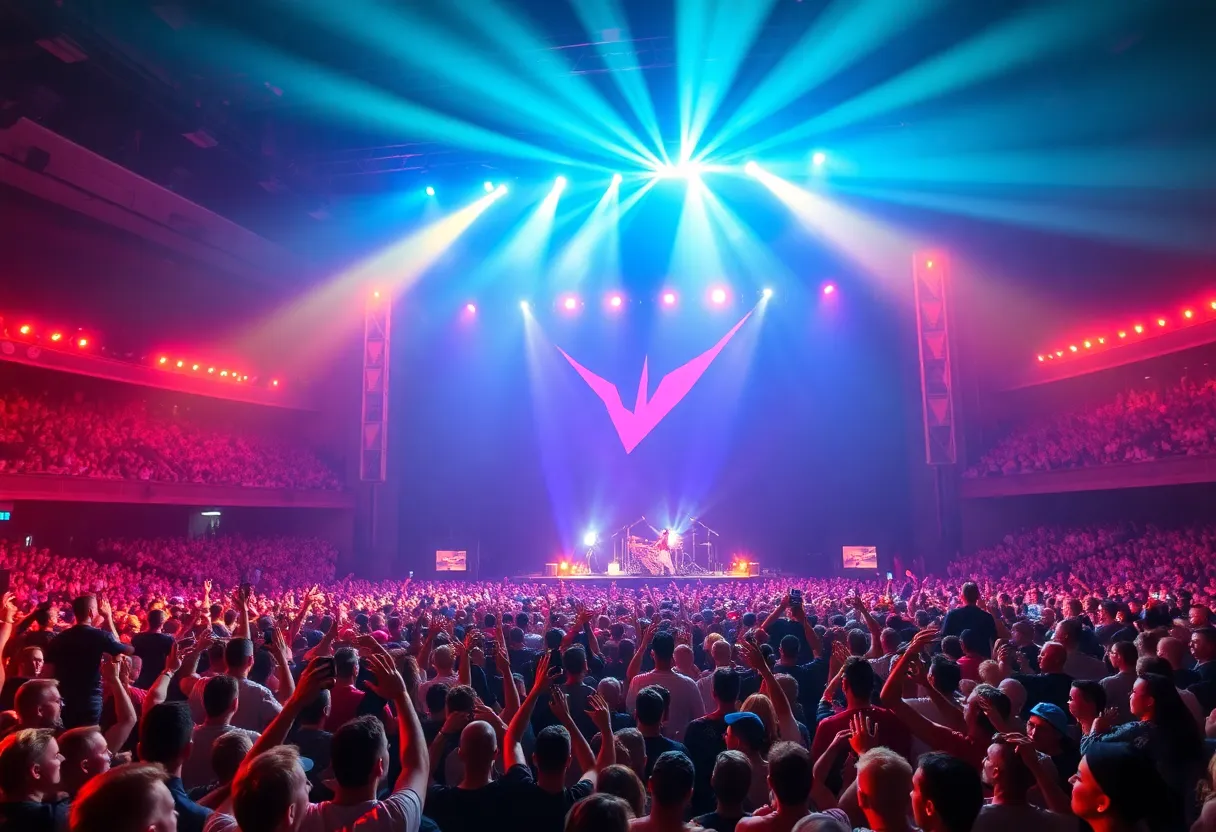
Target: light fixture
(669,298)
(82,342)
(751,168)
(590,539)
(767,293)
(829,288)
(818,158)
(616,180)
(56,336)
(430,191)
(718,296)
(471,308)
(489,186)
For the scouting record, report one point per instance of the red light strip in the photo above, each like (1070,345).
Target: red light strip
(1187,316)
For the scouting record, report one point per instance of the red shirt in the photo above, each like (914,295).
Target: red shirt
(344,702)
(890,729)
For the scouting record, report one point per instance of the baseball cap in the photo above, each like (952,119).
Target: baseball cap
(1054,715)
(747,727)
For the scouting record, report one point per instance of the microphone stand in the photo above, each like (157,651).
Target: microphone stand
(712,555)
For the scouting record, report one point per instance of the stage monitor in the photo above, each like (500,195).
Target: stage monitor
(860,557)
(449,561)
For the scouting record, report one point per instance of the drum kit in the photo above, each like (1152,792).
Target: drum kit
(669,554)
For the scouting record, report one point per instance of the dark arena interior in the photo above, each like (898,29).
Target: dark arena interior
(605,415)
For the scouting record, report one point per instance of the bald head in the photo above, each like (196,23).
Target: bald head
(1173,651)
(683,657)
(610,690)
(1052,657)
(478,746)
(721,651)
(443,659)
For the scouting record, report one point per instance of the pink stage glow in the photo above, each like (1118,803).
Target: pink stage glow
(669,298)
(829,288)
(571,303)
(718,296)
(615,301)
(632,426)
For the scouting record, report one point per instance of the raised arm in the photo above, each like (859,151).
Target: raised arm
(512,750)
(159,691)
(317,677)
(635,664)
(559,704)
(776,613)
(812,637)
(124,708)
(282,656)
(510,695)
(602,717)
(415,761)
(787,726)
(873,626)
(1054,796)
(8,614)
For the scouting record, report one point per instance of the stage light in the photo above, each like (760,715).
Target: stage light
(523,305)
(489,186)
(244,378)
(1042,358)
(928,264)
(564,566)
(1213,304)
(1059,353)
(829,288)
(1102,340)
(767,293)
(162,360)
(194,368)
(1088,345)
(1072,348)
(1139,329)
(224,373)
(56,336)
(1122,334)
(559,183)
(615,301)
(818,158)
(430,191)
(376,294)
(470,308)
(501,190)
(25,329)
(1161,322)
(274,382)
(718,296)
(180,363)
(751,169)
(590,539)
(570,303)
(82,343)
(669,298)
(617,178)
(1189,314)
(211,370)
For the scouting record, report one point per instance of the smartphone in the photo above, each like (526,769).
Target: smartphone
(796,598)
(325,661)
(246,589)
(186,643)
(889,576)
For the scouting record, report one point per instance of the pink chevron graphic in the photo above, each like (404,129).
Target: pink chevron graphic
(632,426)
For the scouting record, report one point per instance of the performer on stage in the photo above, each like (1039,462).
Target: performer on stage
(664,550)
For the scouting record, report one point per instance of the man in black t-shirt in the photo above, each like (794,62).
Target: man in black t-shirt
(153,648)
(970,617)
(706,737)
(74,657)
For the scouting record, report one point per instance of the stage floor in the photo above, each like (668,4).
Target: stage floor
(657,580)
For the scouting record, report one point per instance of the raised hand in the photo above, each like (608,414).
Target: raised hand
(104,608)
(752,655)
(318,676)
(173,662)
(840,654)
(388,684)
(600,715)
(559,704)
(863,733)
(111,668)
(923,639)
(8,608)
(541,682)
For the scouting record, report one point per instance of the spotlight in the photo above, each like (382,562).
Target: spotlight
(25,329)
(818,158)
(570,303)
(470,308)
(1072,348)
(928,264)
(1161,322)
(523,305)
(669,298)
(615,301)
(82,343)
(1189,314)
(376,294)
(1042,358)
(430,191)
(194,368)
(211,371)
(751,168)
(1059,353)
(767,293)
(590,539)
(501,190)
(1088,344)
(56,336)
(564,566)
(180,364)
(829,288)
(559,183)
(162,360)
(718,296)
(1122,334)
(1139,329)
(274,382)
(616,180)
(224,373)
(489,186)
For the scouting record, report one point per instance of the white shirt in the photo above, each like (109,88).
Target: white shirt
(706,685)
(257,705)
(685,705)
(400,812)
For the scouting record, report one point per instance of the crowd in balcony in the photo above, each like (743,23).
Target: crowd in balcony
(1137,425)
(126,439)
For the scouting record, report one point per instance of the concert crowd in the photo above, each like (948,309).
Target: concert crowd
(1138,425)
(120,439)
(1064,678)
